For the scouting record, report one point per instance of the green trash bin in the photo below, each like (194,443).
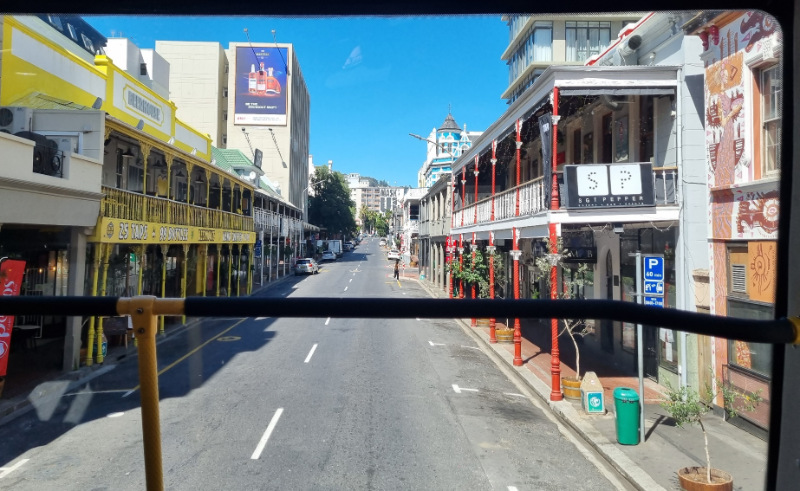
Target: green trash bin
(626,404)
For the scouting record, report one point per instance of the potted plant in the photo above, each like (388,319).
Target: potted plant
(572,280)
(686,407)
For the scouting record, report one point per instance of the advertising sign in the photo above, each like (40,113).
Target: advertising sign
(609,185)
(10,280)
(260,86)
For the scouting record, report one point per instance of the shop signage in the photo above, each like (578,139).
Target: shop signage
(114,231)
(609,185)
(579,255)
(11,272)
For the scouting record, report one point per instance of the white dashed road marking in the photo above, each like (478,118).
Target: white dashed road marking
(436,344)
(310,353)
(459,390)
(263,442)
(4,471)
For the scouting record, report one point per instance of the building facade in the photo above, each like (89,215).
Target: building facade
(743,109)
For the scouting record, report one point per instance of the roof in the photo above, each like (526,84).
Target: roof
(449,124)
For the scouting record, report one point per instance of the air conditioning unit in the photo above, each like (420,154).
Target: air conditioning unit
(15,119)
(47,158)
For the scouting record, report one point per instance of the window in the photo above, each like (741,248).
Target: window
(120,169)
(225,92)
(143,69)
(55,21)
(772,101)
(87,43)
(542,43)
(135,178)
(586,39)
(72,32)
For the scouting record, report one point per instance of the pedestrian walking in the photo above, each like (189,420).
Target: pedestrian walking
(396,269)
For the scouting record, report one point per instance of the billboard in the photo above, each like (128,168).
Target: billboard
(260,86)
(10,280)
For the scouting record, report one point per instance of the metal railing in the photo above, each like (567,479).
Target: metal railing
(531,202)
(128,205)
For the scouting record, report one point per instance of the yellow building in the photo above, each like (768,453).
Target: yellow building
(167,222)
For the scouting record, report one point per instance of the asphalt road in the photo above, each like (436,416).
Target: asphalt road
(307,403)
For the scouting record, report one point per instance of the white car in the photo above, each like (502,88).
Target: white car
(328,256)
(394,254)
(382,243)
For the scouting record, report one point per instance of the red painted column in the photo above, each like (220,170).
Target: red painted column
(519,146)
(515,253)
(474,247)
(463,192)
(449,245)
(555,362)
(461,263)
(494,163)
(475,222)
(453,203)
(492,321)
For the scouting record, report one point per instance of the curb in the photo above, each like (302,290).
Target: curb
(563,410)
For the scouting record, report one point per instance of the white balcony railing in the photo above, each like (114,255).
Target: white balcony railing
(531,202)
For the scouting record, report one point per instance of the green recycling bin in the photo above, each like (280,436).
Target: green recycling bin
(626,404)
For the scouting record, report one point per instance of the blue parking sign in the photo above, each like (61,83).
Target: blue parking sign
(653,267)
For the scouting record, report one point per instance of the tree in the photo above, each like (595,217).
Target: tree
(331,207)
(571,283)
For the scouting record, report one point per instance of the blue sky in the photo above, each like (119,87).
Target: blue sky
(372,80)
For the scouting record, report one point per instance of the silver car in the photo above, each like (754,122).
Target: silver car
(306,266)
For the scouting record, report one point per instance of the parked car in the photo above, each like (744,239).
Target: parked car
(348,246)
(394,254)
(383,243)
(328,256)
(306,266)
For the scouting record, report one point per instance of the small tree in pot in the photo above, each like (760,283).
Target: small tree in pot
(686,407)
(572,281)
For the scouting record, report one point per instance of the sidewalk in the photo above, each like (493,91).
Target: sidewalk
(647,466)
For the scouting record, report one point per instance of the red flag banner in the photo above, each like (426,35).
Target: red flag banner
(10,280)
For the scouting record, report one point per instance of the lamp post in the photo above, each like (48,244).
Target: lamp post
(519,146)
(555,362)
(490,250)
(461,264)
(473,246)
(515,254)
(494,164)
(475,219)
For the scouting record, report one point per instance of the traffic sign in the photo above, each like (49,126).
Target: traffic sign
(257,249)
(653,287)
(654,301)
(653,267)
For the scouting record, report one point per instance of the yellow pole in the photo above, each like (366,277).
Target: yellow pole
(140,251)
(164,249)
(144,328)
(208,188)
(238,271)
(230,263)
(145,149)
(168,159)
(205,268)
(249,270)
(185,269)
(219,265)
(99,339)
(91,334)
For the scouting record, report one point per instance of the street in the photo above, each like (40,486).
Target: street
(264,403)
